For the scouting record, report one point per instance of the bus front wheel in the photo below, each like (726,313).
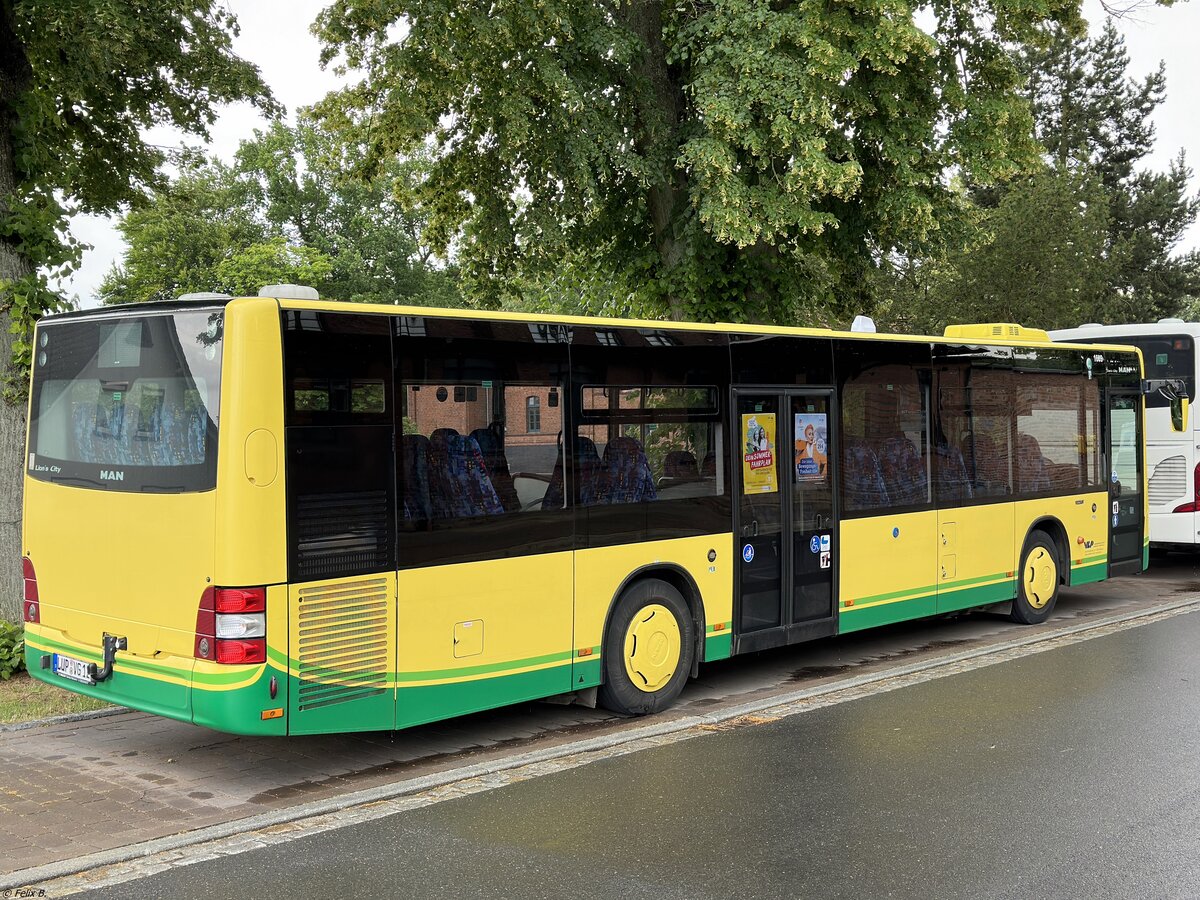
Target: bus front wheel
(648,649)
(1037,583)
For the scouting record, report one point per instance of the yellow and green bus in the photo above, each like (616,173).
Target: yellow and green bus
(283,516)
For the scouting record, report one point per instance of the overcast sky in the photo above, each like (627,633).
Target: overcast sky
(275,37)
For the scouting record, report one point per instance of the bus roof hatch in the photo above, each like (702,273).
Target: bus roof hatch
(996,331)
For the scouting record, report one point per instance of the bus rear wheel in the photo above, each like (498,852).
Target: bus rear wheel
(1037,582)
(648,649)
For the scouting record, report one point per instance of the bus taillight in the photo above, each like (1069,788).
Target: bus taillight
(235,652)
(231,625)
(1194,504)
(33,612)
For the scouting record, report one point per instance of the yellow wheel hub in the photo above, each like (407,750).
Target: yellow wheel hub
(652,647)
(1040,574)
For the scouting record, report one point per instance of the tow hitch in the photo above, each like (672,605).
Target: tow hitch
(112,644)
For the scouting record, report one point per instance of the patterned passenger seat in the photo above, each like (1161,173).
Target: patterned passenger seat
(903,472)
(460,486)
(625,475)
(953,482)
(414,455)
(587,472)
(681,466)
(491,445)
(862,478)
(1032,476)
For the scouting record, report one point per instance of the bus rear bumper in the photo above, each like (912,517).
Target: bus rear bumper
(226,698)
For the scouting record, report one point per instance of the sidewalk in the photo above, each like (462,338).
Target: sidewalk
(73,788)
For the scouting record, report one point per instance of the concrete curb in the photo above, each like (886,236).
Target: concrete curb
(115,856)
(67,718)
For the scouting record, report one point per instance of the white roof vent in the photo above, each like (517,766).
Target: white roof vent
(289,292)
(1091,325)
(864,324)
(1170,321)
(205,295)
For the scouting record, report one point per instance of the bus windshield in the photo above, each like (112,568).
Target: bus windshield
(127,403)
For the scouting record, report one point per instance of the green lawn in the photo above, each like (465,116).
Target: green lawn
(22,699)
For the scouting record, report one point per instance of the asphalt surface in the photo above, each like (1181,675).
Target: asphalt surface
(1073,772)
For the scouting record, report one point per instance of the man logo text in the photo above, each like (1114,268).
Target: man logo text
(108,475)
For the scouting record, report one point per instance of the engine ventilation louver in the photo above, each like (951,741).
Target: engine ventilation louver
(341,534)
(1169,481)
(342,647)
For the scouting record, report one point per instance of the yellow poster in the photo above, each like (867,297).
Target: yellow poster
(758,454)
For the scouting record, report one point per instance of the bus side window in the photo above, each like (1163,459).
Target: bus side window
(480,412)
(643,443)
(886,461)
(481,448)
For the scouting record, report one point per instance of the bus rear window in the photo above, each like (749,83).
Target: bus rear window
(128,404)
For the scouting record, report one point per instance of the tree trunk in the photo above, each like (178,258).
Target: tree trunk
(660,109)
(13,266)
(12,475)
(15,78)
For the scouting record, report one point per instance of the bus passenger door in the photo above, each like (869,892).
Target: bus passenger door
(784,526)
(1124,448)
(812,461)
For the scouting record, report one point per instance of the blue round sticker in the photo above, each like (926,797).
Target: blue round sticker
(748,553)
(895,532)
(815,544)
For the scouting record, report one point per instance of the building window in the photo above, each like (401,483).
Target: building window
(533,415)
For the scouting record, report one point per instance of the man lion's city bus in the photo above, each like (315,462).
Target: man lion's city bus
(1172,441)
(291,516)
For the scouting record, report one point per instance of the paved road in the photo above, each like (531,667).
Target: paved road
(1069,773)
(145,777)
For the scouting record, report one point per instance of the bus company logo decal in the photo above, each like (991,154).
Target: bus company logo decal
(112,475)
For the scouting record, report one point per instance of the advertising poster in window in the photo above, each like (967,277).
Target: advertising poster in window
(811,461)
(758,454)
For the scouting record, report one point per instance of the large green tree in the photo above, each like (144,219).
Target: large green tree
(1040,257)
(1093,118)
(80,81)
(286,210)
(733,159)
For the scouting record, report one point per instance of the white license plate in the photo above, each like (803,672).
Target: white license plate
(75,669)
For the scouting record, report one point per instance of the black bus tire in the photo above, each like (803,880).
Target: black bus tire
(648,649)
(1037,580)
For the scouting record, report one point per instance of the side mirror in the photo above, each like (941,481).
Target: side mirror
(1179,414)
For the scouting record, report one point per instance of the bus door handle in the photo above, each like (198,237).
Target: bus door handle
(751,529)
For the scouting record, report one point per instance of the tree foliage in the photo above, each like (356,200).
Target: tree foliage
(1039,257)
(1091,236)
(1095,121)
(80,82)
(284,211)
(732,160)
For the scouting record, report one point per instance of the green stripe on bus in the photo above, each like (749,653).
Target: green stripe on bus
(922,592)
(125,661)
(718,645)
(1089,573)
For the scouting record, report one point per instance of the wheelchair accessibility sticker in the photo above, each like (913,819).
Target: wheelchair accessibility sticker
(748,553)
(815,544)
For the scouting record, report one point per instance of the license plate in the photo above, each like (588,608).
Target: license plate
(75,669)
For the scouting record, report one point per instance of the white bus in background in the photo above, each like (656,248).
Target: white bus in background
(1172,455)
